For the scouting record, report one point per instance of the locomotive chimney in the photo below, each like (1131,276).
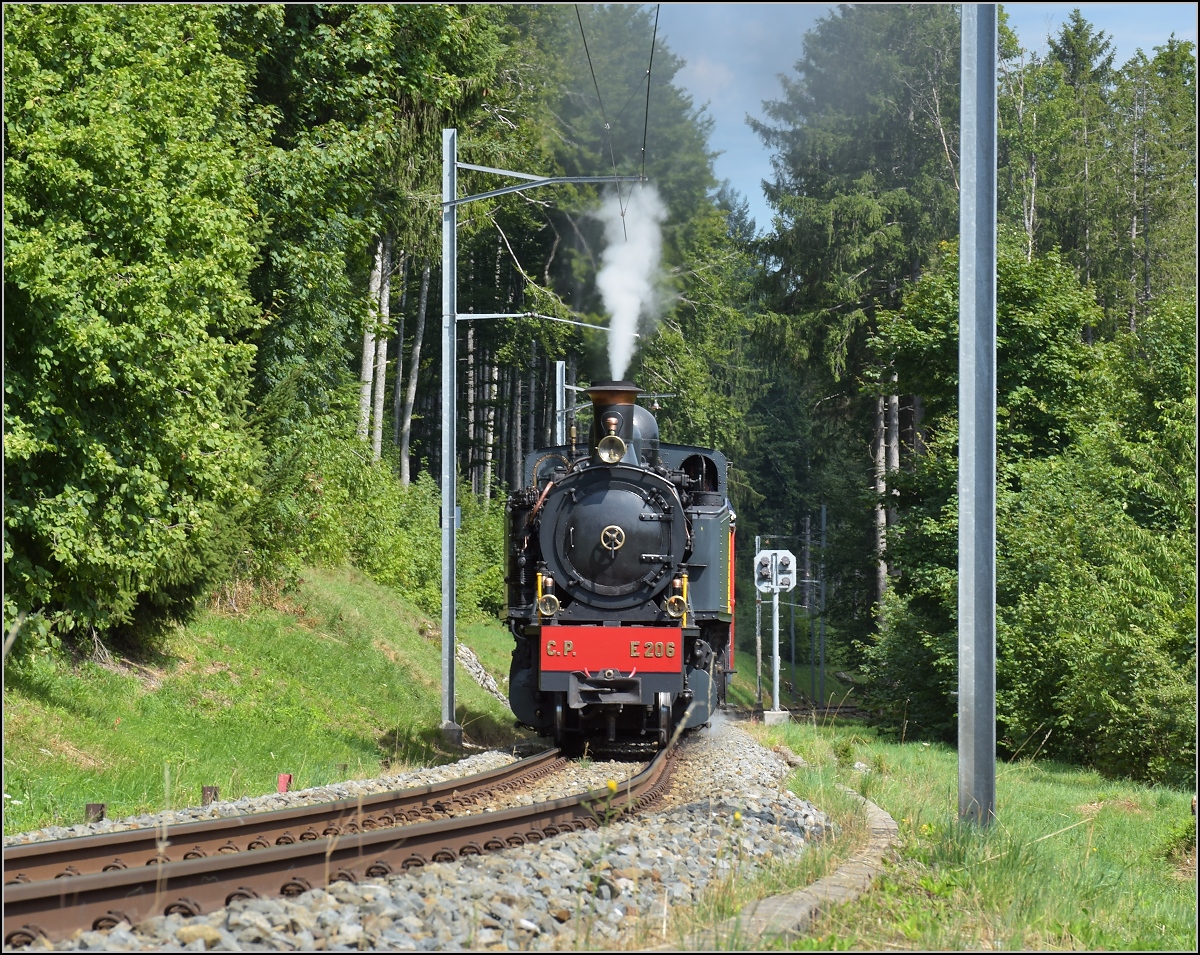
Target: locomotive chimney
(612,418)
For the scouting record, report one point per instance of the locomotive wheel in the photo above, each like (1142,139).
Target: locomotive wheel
(560,725)
(664,719)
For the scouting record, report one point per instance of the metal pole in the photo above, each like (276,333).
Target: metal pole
(793,628)
(560,402)
(450,729)
(977,421)
(808,609)
(822,608)
(775,659)
(757,631)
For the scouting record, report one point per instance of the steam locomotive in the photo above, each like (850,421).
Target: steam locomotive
(620,582)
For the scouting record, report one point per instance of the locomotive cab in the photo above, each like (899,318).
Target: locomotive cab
(619,582)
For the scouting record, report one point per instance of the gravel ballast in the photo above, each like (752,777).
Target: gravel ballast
(726,815)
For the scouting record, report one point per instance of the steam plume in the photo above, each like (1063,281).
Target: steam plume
(630,260)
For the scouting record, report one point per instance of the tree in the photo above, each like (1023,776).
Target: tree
(1075,210)
(866,152)
(1154,159)
(1032,125)
(410,394)
(702,352)
(129,237)
(356,96)
(1099,164)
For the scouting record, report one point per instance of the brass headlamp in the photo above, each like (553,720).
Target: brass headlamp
(675,606)
(611,449)
(547,603)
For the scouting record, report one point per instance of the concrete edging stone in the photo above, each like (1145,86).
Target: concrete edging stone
(789,915)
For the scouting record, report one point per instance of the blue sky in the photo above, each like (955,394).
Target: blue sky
(735,52)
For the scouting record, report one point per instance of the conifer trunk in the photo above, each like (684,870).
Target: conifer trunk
(531,417)
(893,447)
(469,451)
(547,415)
(504,416)
(489,437)
(398,385)
(880,443)
(518,466)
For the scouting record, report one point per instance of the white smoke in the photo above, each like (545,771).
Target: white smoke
(633,249)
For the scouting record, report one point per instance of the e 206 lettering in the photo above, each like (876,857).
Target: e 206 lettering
(651,649)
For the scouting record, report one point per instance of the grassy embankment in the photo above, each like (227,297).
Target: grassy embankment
(334,682)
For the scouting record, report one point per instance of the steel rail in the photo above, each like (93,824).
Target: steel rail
(56,908)
(84,855)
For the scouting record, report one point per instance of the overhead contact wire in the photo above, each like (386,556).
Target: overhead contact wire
(603,116)
(646,127)
(637,89)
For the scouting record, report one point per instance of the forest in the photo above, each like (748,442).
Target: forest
(222,274)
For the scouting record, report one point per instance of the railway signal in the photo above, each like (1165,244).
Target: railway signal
(765,578)
(775,570)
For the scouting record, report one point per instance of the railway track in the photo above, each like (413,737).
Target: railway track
(52,889)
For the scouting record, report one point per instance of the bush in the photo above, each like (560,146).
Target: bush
(324,502)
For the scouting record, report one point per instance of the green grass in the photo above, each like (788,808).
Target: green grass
(335,681)
(1072,861)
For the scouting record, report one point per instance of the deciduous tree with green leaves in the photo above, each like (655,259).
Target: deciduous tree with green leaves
(130,232)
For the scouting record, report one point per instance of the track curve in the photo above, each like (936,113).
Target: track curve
(54,907)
